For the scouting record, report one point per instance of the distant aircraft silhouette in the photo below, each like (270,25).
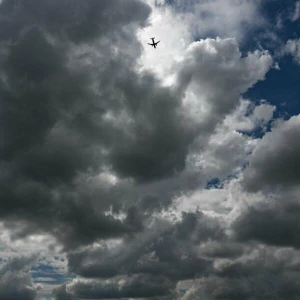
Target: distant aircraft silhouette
(153,43)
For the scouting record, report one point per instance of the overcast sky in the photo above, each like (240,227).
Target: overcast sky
(128,172)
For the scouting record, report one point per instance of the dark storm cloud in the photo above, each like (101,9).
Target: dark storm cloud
(141,286)
(277,225)
(68,109)
(257,260)
(260,273)
(167,250)
(15,281)
(276,160)
(262,286)
(158,141)
(79,20)
(65,215)
(41,92)
(150,265)
(221,249)
(38,86)
(266,286)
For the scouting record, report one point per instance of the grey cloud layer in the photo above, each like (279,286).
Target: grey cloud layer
(277,225)
(15,282)
(274,170)
(275,162)
(166,249)
(132,287)
(155,260)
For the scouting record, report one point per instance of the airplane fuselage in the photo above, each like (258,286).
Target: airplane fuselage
(154,44)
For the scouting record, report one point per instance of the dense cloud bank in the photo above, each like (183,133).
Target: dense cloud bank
(15,282)
(72,110)
(95,152)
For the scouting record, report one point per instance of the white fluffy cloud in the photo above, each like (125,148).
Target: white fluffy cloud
(224,18)
(296,13)
(292,48)
(216,73)
(249,117)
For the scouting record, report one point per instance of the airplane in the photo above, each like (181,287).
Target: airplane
(153,43)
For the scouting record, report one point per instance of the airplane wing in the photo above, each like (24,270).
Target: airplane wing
(157,42)
(150,44)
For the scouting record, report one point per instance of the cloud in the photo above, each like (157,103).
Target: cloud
(46,141)
(272,176)
(81,22)
(218,18)
(260,272)
(77,114)
(222,249)
(296,14)
(15,282)
(276,225)
(274,161)
(248,116)
(155,260)
(216,71)
(133,287)
(166,250)
(252,287)
(99,151)
(292,48)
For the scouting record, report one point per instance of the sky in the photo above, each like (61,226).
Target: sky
(128,172)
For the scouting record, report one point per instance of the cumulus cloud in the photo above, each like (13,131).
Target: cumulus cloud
(16,282)
(296,14)
(277,225)
(275,160)
(156,261)
(167,249)
(249,117)
(254,287)
(292,48)
(218,18)
(133,287)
